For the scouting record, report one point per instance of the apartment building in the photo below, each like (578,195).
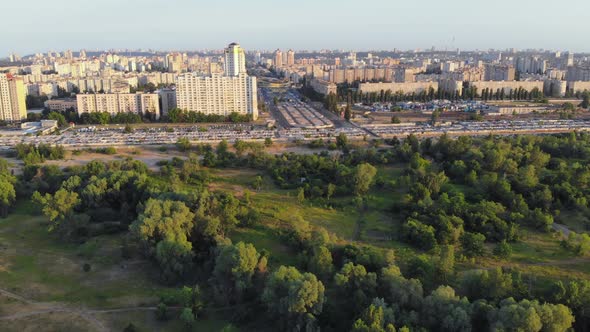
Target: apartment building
(13,105)
(113,103)
(217,94)
(235,60)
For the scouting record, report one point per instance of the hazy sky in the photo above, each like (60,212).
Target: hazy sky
(29,26)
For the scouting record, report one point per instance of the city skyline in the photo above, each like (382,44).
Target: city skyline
(155,24)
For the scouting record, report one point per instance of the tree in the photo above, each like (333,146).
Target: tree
(163,220)
(514,316)
(363,178)
(7,195)
(183,144)
(300,195)
(268,142)
(174,259)
(444,311)
(493,284)
(61,120)
(234,268)
(376,318)
(419,234)
(187,317)
(445,264)
(58,207)
(395,119)
(330,190)
(341,141)
(585,100)
(473,244)
(503,250)
(162,311)
(347,112)
(295,298)
(406,293)
(320,263)
(356,285)
(257,184)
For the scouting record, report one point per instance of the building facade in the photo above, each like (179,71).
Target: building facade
(235,60)
(278,59)
(13,105)
(113,103)
(216,94)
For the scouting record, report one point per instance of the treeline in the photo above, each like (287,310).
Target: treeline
(32,154)
(104,118)
(347,94)
(181,116)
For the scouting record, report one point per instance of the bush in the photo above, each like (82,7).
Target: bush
(162,312)
(86,267)
(503,250)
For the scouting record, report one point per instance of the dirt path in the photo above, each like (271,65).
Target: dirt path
(42,308)
(561,228)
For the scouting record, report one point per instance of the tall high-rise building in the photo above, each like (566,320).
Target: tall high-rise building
(258,58)
(83,54)
(290,58)
(216,94)
(13,105)
(278,59)
(235,60)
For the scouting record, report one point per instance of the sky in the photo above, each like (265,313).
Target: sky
(30,26)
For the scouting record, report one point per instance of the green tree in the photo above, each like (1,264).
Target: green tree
(183,144)
(295,298)
(235,266)
(375,319)
(363,178)
(174,259)
(473,244)
(58,207)
(445,264)
(61,120)
(7,195)
(163,220)
(444,311)
(503,250)
(342,141)
(300,195)
(320,262)
(330,190)
(187,317)
(347,112)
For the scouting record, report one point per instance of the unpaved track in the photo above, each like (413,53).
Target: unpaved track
(42,308)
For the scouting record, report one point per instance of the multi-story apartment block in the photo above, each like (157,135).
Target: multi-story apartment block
(12,98)
(235,60)
(499,73)
(290,58)
(146,104)
(216,94)
(167,100)
(278,59)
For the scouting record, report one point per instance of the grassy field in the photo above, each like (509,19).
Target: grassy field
(49,274)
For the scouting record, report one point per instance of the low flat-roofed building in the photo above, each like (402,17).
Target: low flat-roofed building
(62,105)
(323,87)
